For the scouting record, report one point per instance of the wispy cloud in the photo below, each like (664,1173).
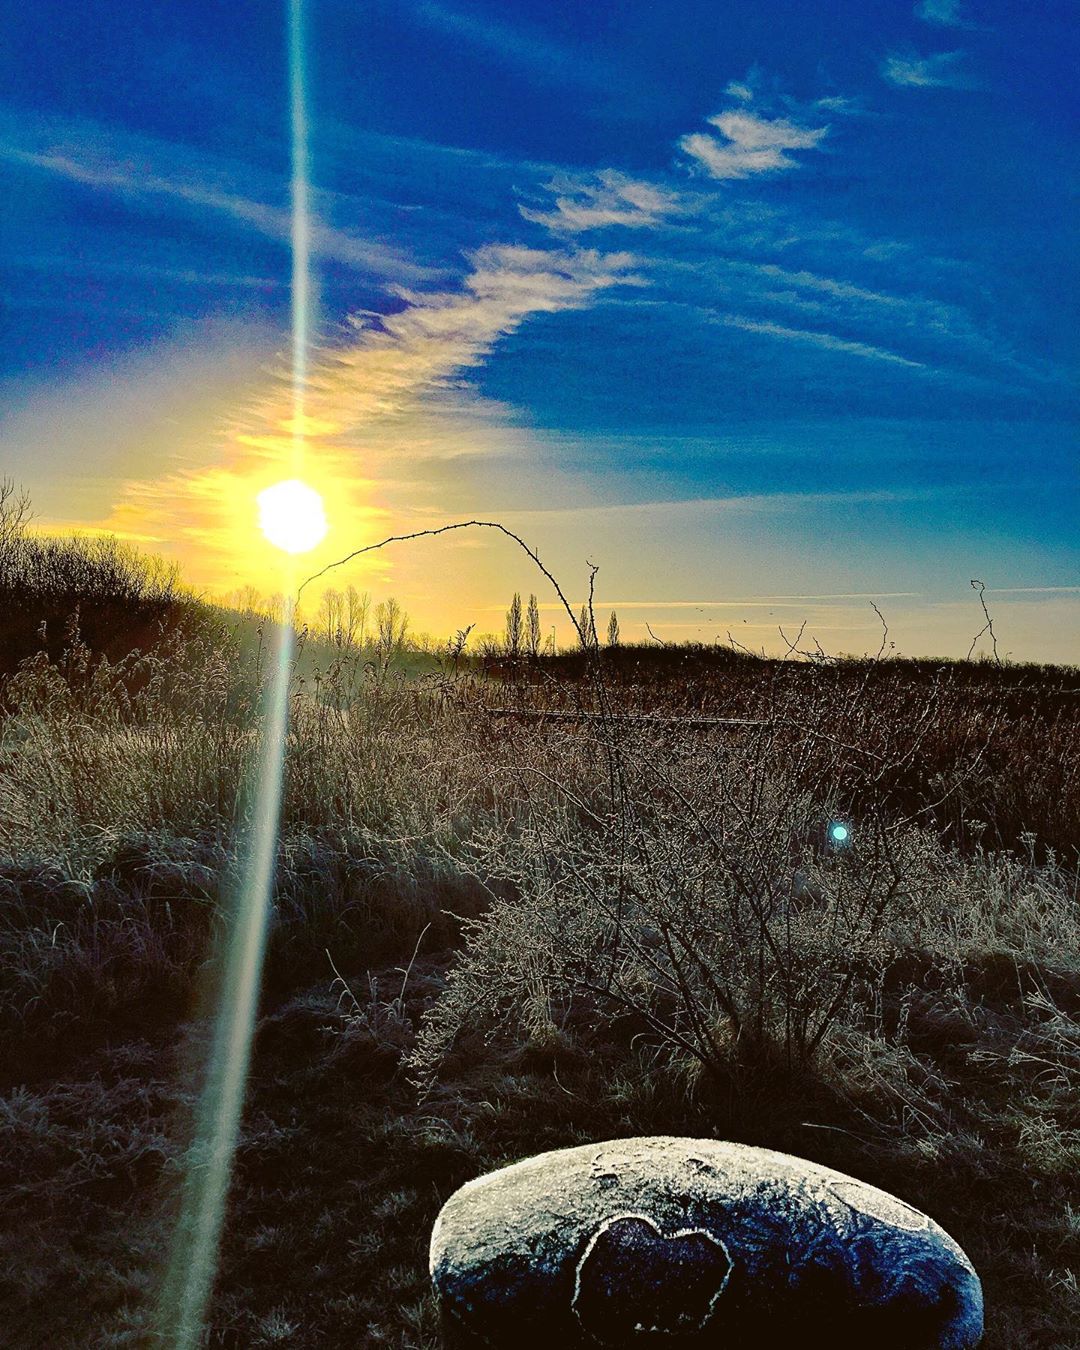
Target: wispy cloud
(88,428)
(525,47)
(816,339)
(751,503)
(943,334)
(389,395)
(804,280)
(839,103)
(942,70)
(437,335)
(945,13)
(134,177)
(1032,590)
(749,132)
(606,198)
(59,264)
(750,144)
(757,602)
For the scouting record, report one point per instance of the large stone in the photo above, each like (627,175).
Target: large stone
(695,1242)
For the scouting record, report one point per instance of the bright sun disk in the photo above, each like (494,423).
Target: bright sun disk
(292,516)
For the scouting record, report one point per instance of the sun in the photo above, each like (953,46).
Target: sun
(292,516)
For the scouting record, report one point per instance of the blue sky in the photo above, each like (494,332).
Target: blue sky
(742,302)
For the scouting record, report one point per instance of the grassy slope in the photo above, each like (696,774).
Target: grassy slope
(402,812)
(341,1172)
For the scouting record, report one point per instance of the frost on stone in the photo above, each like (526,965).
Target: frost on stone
(878,1204)
(664,1240)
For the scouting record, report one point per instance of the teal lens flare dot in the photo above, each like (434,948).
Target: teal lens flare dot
(839,834)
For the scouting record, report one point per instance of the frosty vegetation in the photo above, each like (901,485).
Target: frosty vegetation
(582,894)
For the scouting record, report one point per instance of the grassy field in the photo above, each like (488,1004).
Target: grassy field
(587,896)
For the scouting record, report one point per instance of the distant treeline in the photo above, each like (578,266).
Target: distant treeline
(116,597)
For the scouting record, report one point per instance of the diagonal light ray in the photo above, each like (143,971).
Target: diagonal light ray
(194,1257)
(301,226)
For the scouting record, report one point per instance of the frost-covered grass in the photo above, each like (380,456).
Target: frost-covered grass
(498,931)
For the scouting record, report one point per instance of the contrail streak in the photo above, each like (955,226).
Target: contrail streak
(193,1263)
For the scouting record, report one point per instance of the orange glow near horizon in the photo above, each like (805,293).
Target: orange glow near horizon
(210,519)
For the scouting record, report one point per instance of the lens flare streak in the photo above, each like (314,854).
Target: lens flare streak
(189,1279)
(193,1265)
(301,226)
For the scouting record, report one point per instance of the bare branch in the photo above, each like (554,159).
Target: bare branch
(15,512)
(988,626)
(738,646)
(884,632)
(445,529)
(792,643)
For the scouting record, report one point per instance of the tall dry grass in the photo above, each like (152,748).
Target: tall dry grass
(621,862)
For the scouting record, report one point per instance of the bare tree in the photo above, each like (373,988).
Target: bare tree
(613,630)
(247,599)
(343,618)
(513,626)
(329,616)
(15,514)
(587,627)
(532,628)
(391,628)
(357,616)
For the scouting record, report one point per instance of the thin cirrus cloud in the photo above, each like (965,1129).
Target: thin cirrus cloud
(831,287)
(605,199)
(371,395)
(750,145)
(944,13)
(814,338)
(85,155)
(58,264)
(942,70)
(522,47)
(946,335)
(758,602)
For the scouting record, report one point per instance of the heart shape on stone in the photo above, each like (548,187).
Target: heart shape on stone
(633,1279)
